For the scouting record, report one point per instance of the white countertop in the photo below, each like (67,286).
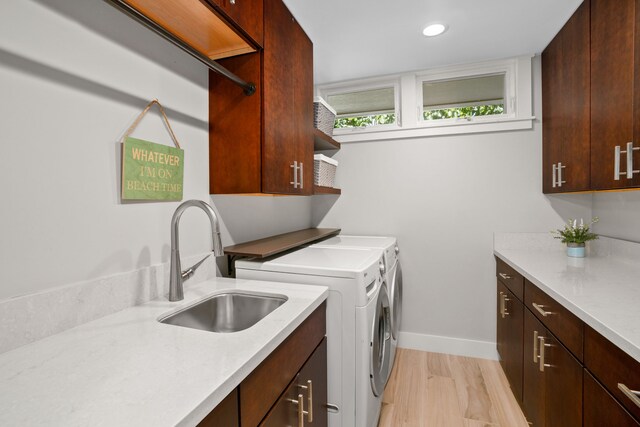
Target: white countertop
(603,289)
(127,369)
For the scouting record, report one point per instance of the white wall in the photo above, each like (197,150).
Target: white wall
(73,76)
(443,197)
(619,214)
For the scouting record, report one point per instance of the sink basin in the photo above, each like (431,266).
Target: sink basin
(228,312)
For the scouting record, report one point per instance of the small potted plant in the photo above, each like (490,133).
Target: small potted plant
(575,236)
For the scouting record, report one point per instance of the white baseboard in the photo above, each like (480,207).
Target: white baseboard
(448,345)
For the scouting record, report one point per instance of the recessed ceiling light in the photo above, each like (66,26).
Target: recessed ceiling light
(433,30)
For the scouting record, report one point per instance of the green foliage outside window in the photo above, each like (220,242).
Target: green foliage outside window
(362,121)
(436,114)
(457,112)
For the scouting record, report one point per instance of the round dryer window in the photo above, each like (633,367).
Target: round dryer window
(380,347)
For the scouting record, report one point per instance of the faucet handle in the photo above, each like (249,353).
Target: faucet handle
(192,270)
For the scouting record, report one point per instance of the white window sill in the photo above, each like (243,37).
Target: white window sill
(505,124)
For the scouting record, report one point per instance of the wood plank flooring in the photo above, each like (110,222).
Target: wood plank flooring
(441,390)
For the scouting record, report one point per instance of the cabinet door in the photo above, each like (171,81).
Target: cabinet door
(601,409)
(279,150)
(509,337)
(563,384)
(225,414)
(533,393)
(313,376)
(566,107)
(612,91)
(246,14)
(304,401)
(303,105)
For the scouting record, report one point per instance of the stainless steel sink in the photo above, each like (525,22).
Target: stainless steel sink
(228,312)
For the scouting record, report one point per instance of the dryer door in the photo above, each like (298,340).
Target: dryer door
(380,344)
(396,300)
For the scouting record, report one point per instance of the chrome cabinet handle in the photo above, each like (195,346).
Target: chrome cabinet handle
(301,412)
(559,169)
(634,395)
(310,401)
(540,309)
(554,181)
(503,305)
(309,388)
(616,166)
(630,150)
(543,345)
(294,166)
(504,276)
(301,175)
(536,356)
(232,1)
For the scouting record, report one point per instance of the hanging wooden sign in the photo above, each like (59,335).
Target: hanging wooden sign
(151,171)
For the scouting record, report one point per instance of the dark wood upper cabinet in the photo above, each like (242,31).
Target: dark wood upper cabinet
(566,107)
(613,63)
(245,14)
(264,143)
(591,102)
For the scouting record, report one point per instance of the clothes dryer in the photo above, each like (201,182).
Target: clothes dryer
(358,323)
(392,271)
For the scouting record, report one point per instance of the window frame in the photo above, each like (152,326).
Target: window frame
(461,72)
(360,86)
(408,109)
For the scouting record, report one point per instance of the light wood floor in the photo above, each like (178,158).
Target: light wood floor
(432,389)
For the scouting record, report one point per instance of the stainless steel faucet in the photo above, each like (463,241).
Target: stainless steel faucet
(177,277)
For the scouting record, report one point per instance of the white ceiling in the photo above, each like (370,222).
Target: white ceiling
(360,38)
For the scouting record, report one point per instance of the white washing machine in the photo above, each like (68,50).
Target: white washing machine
(358,323)
(392,269)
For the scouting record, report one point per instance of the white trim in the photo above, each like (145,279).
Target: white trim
(504,124)
(448,345)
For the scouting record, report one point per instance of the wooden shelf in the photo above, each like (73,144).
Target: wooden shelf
(283,242)
(323,141)
(317,189)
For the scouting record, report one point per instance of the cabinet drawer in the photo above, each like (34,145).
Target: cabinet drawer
(601,409)
(510,277)
(262,388)
(560,321)
(612,366)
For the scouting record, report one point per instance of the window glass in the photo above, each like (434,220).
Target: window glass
(370,107)
(464,97)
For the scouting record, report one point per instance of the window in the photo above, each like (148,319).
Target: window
(364,108)
(486,97)
(371,105)
(463,97)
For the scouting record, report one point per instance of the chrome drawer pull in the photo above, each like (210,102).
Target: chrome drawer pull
(536,356)
(540,309)
(634,395)
(543,345)
(505,276)
(301,411)
(309,388)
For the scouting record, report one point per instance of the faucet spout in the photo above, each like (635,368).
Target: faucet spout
(176,276)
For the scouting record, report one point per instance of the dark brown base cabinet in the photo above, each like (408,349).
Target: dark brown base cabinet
(565,373)
(509,337)
(289,388)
